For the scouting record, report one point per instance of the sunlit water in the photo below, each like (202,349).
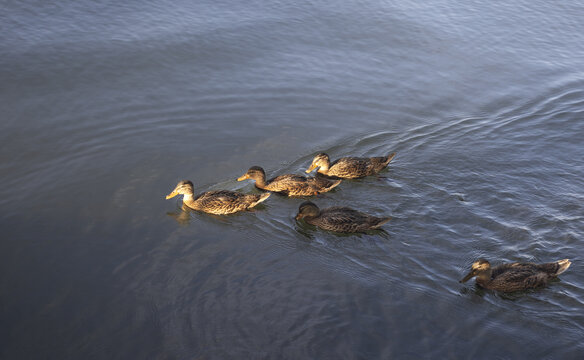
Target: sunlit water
(105,107)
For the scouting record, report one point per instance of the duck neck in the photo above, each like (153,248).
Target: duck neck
(324,167)
(314,213)
(484,278)
(260,180)
(188,199)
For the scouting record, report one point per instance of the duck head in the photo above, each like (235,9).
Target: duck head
(307,209)
(321,160)
(480,268)
(255,173)
(184,187)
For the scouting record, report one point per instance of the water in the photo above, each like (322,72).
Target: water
(106,106)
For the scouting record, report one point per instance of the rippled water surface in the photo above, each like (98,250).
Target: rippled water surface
(106,106)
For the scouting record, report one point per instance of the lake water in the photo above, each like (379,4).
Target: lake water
(107,105)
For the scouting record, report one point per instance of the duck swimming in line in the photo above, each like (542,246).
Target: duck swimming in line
(289,184)
(515,276)
(349,167)
(339,219)
(219,202)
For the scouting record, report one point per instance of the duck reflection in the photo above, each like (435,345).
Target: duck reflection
(182,215)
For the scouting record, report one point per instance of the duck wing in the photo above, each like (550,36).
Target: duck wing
(292,185)
(380,162)
(350,167)
(555,268)
(356,167)
(323,184)
(521,276)
(223,201)
(343,219)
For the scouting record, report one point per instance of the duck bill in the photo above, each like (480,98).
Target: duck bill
(243,177)
(467,277)
(299,216)
(171,195)
(312,167)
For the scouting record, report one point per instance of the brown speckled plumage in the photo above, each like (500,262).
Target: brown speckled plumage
(515,276)
(289,184)
(219,202)
(349,167)
(339,219)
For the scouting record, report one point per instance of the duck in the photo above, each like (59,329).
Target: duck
(218,202)
(339,219)
(289,184)
(349,167)
(516,276)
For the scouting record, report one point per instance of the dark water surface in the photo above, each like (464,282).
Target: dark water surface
(106,105)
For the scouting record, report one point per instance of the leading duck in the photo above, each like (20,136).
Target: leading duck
(515,276)
(289,184)
(218,202)
(349,167)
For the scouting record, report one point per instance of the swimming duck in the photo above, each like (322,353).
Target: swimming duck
(219,202)
(289,184)
(349,167)
(339,219)
(515,276)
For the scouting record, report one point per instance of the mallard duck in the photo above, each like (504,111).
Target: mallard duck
(515,276)
(219,202)
(349,167)
(289,184)
(339,219)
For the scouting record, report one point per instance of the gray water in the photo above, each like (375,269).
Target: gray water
(107,105)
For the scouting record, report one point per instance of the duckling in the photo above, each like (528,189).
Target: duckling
(218,202)
(349,167)
(289,184)
(515,276)
(339,219)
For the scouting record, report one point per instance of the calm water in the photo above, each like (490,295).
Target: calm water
(105,106)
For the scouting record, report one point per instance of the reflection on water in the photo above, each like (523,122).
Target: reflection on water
(182,216)
(107,106)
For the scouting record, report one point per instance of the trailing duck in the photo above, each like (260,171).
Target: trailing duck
(515,276)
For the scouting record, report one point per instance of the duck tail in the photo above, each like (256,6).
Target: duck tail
(262,198)
(334,184)
(389,158)
(380,221)
(563,265)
